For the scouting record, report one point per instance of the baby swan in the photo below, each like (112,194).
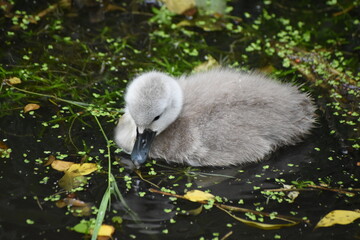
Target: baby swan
(220,117)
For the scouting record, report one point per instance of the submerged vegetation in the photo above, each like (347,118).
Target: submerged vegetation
(64,66)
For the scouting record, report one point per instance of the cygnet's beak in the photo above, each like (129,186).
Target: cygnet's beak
(142,146)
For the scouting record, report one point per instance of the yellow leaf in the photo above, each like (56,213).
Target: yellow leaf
(106,230)
(61,165)
(338,217)
(30,107)
(196,211)
(179,7)
(14,80)
(198,196)
(83,169)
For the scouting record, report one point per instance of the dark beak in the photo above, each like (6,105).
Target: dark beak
(142,146)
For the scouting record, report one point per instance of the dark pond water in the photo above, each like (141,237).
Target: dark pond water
(80,68)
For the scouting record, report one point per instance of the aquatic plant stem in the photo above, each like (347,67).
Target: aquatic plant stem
(106,200)
(232,208)
(112,188)
(78,104)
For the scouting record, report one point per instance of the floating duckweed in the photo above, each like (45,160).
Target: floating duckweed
(167,210)
(152,172)
(251,216)
(44,180)
(210,204)
(30,221)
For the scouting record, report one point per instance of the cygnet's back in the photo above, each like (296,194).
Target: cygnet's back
(230,118)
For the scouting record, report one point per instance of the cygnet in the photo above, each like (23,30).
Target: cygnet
(221,117)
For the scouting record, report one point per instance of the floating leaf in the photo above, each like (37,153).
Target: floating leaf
(198,196)
(14,80)
(179,7)
(196,211)
(106,230)
(30,107)
(83,211)
(74,173)
(50,160)
(338,217)
(83,169)
(70,181)
(60,165)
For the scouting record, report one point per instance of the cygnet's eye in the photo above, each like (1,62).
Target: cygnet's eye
(156,118)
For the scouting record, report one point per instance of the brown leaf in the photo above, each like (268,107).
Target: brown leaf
(30,107)
(3,146)
(60,203)
(50,160)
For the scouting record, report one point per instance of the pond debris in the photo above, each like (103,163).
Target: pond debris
(77,207)
(310,187)
(342,217)
(31,107)
(73,172)
(227,235)
(4,150)
(138,172)
(180,7)
(264,226)
(195,211)
(14,80)
(229,209)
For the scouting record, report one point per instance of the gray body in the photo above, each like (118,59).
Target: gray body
(226,118)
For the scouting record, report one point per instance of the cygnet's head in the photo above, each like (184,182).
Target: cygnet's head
(154,100)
